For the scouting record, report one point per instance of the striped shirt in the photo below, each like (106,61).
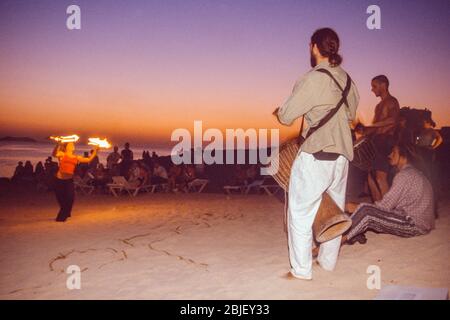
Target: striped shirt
(411,194)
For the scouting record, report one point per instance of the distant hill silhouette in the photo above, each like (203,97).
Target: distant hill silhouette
(17,139)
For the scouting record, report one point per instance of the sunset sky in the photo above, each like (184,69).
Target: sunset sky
(137,70)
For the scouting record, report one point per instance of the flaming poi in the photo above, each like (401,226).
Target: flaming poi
(65,139)
(102,143)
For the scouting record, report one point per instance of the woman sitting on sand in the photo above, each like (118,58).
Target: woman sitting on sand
(406,210)
(64,188)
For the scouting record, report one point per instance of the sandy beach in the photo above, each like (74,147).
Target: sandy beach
(192,246)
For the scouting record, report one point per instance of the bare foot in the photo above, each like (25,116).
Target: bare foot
(290,276)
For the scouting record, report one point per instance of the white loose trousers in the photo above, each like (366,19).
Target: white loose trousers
(309,179)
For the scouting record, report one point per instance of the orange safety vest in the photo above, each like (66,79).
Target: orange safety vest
(67,164)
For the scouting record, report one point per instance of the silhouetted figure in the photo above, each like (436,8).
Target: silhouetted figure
(39,169)
(28,171)
(146,157)
(39,176)
(18,173)
(113,158)
(127,160)
(94,163)
(51,167)
(127,154)
(49,163)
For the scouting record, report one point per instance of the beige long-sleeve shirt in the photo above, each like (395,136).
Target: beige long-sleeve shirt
(314,95)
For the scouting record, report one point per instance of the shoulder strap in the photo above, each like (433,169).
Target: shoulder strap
(344,94)
(331,76)
(343,100)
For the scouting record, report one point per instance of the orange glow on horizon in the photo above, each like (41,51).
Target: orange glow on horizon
(141,79)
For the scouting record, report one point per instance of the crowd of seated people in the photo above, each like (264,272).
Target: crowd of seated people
(41,174)
(146,171)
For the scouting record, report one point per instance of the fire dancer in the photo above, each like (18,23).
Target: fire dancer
(64,187)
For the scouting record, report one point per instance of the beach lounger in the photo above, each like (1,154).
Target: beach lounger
(271,189)
(164,187)
(254,185)
(239,189)
(149,188)
(116,187)
(197,185)
(82,185)
(119,184)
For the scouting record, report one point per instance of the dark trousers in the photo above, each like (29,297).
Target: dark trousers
(65,194)
(125,168)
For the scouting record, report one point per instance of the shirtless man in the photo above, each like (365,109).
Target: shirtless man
(382,129)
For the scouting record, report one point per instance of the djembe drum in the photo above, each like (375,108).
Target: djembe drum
(363,154)
(330,222)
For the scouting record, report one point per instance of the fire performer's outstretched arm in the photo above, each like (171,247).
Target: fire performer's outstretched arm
(90,158)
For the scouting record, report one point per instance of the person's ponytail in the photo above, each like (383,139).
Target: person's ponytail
(335,59)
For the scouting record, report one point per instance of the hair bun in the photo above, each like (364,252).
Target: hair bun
(335,59)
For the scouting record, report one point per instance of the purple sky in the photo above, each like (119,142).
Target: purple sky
(144,68)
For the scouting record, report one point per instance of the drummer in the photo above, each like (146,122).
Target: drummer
(314,95)
(382,132)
